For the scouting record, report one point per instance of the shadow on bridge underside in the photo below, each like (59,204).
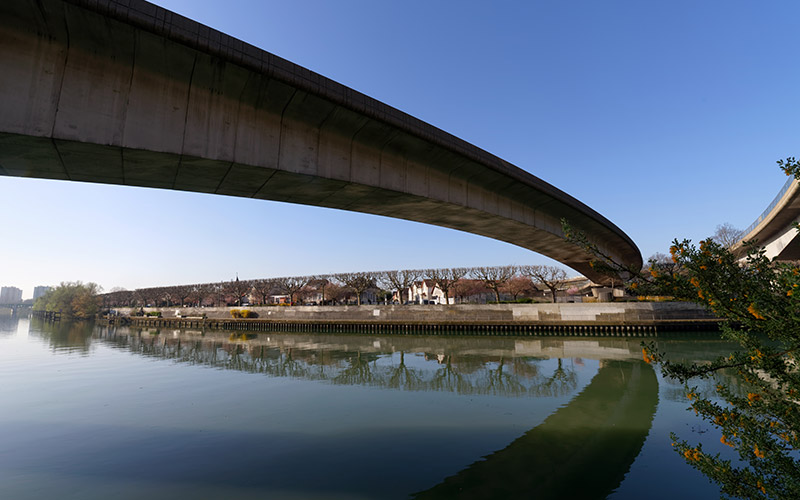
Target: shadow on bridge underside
(128,93)
(583,450)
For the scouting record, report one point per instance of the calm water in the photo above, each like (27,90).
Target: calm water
(91,412)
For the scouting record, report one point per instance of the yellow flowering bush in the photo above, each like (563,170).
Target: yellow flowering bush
(755,298)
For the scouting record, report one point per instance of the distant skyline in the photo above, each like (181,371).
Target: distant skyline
(665,118)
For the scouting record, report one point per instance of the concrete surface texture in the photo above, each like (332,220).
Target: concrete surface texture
(774,230)
(615,313)
(124,92)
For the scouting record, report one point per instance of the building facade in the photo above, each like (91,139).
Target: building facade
(10,295)
(39,291)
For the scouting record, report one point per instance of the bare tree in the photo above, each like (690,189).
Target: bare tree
(494,277)
(216,291)
(336,292)
(518,285)
(464,288)
(445,279)
(237,289)
(662,262)
(291,285)
(165,293)
(207,291)
(727,235)
(147,296)
(196,294)
(119,297)
(399,280)
(182,292)
(358,282)
(320,283)
(549,276)
(264,288)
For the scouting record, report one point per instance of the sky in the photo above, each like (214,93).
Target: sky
(665,117)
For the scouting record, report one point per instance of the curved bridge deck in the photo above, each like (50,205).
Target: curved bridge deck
(125,92)
(773,229)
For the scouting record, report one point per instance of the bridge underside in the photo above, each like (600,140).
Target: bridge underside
(774,230)
(784,246)
(67,160)
(136,95)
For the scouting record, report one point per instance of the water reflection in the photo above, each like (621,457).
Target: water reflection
(8,322)
(583,450)
(201,425)
(65,336)
(460,366)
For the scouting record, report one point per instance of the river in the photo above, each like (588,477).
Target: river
(100,412)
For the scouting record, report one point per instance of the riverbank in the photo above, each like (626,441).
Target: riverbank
(467,319)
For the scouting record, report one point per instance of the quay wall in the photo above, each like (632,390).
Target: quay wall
(532,317)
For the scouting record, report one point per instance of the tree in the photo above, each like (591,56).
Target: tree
(399,280)
(518,286)
(197,294)
(727,235)
(118,297)
(73,299)
(291,285)
(494,277)
(464,288)
(237,289)
(551,277)
(445,279)
(358,282)
(335,292)
(147,296)
(264,288)
(759,301)
(320,283)
(182,293)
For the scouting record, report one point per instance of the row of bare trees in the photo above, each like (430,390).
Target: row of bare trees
(457,283)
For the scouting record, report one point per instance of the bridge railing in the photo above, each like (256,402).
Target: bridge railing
(769,208)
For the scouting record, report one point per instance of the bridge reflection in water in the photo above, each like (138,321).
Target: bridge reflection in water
(583,450)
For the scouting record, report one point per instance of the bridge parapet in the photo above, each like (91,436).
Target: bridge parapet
(773,230)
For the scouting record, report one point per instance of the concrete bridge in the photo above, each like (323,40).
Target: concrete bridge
(773,229)
(124,92)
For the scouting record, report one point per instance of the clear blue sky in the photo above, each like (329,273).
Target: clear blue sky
(665,117)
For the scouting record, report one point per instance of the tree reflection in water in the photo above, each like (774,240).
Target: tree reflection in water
(359,371)
(462,373)
(402,377)
(561,382)
(581,450)
(66,336)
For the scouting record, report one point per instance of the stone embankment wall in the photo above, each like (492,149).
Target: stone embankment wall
(592,314)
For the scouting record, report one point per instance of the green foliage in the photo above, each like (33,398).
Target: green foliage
(73,299)
(760,302)
(153,314)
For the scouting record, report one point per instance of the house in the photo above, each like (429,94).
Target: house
(426,292)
